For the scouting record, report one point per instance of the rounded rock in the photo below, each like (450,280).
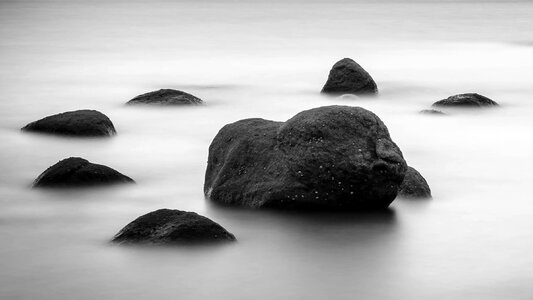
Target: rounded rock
(333,157)
(81,123)
(466,100)
(78,172)
(167,226)
(414,185)
(166,97)
(348,77)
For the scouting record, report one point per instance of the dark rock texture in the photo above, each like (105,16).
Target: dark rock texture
(432,112)
(466,100)
(75,171)
(167,226)
(83,123)
(333,157)
(414,185)
(166,97)
(347,76)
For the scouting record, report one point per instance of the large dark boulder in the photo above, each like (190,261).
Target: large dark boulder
(414,185)
(83,123)
(348,77)
(333,157)
(167,226)
(166,97)
(466,100)
(75,171)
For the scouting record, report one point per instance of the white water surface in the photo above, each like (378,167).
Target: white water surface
(473,240)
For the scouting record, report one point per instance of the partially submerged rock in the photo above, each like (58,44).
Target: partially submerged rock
(466,100)
(166,97)
(350,97)
(414,185)
(167,226)
(432,112)
(76,171)
(348,77)
(82,123)
(333,157)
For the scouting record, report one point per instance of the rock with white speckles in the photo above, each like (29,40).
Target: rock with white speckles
(333,157)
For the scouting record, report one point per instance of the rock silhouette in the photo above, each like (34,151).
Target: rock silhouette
(82,123)
(167,226)
(466,100)
(166,97)
(333,157)
(76,172)
(348,77)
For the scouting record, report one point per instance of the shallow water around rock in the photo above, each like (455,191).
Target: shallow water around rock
(270,60)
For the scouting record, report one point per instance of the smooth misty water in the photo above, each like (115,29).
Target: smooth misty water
(473,240)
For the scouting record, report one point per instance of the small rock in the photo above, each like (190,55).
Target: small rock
(349,97)
(414,185)
(432,112)
(348,77)
(75,171)
(83,123)
(167,226)
(466,100)
(166,97)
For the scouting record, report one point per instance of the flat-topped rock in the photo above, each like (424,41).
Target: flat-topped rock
(414,185)
(466,100)
(168,226)
(81,123)
(166,97)
(77,172)
(432,112)
(348,77)
(327,158)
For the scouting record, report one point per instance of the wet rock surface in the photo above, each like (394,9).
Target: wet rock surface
(79,172)
(333,157)
(348,77)
(168,226)
(166,97)
(82,123)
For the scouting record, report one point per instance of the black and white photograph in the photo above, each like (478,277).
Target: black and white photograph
(276,150)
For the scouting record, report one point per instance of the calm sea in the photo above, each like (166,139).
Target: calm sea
(473,240)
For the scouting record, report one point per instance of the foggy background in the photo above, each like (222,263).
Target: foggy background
(270,60)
